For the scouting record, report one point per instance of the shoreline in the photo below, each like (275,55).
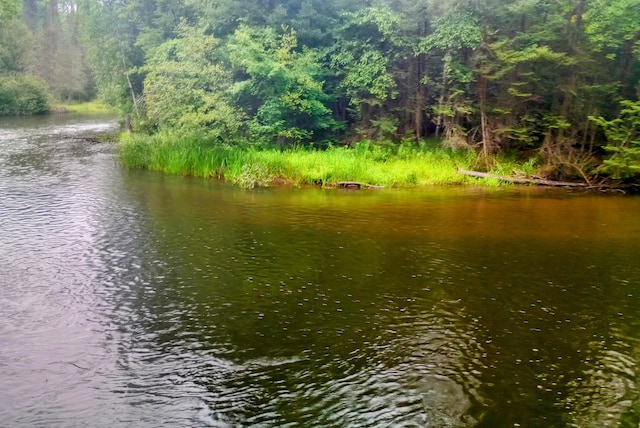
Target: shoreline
(364,165)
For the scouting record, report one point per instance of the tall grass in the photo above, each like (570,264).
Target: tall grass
(402,165)
(87,107)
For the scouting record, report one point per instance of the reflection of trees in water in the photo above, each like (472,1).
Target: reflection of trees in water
(554,325)
(605,391)
(317,321)
(361,302)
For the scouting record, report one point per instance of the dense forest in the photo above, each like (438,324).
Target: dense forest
(553,79)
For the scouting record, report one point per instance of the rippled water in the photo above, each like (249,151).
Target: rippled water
(128,298)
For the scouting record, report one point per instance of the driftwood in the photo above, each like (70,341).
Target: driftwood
(522,180)
(356,185)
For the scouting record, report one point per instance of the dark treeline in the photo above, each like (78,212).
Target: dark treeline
(554,79)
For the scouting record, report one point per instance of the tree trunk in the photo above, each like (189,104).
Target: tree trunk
(521,180)
(420,100)
(126,74)
(443,91)
(31,14)
(487,145)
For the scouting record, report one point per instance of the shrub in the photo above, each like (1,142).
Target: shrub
(23,95)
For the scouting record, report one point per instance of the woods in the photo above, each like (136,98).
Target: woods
(555,81)
(42,58)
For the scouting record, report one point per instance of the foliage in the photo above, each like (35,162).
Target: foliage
(496,75)
(22,95)
(15,43)
(367,76)
(185,88)
(623,136)
(611,24)
(109,32)
(456,29)
(281,88)
(455,34)
(9,9)
(42,39)
(364,58)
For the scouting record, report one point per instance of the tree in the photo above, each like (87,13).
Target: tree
(16,41)
(50,35)
(186,89)
(522,75)
(364,60)
(280,87)
(623,136)
(613,27)
(9,9)
(455,34)
(20,93)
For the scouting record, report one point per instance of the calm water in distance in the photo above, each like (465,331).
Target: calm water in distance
(129,298)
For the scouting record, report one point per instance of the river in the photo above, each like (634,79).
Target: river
(129,298)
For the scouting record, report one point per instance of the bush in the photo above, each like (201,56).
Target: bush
(623,138)
(23,95)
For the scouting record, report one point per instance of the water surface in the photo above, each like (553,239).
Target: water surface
(128,298)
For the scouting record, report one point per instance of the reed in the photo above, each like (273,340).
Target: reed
(403,165)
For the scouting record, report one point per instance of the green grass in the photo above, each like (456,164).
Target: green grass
(404,165)
(89,107)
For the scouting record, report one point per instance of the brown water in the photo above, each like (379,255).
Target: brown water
(128,298)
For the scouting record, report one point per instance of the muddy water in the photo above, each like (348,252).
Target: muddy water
(128,298)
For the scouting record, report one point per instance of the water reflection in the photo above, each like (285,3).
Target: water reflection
(50,356)
(441,305)
(134,299)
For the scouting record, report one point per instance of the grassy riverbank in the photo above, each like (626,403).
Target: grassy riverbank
(402,165)
(88,107)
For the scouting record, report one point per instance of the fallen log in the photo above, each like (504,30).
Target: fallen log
(522,180)
(356,185)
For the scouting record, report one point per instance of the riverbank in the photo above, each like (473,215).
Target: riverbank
(403,165)
(88,107)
